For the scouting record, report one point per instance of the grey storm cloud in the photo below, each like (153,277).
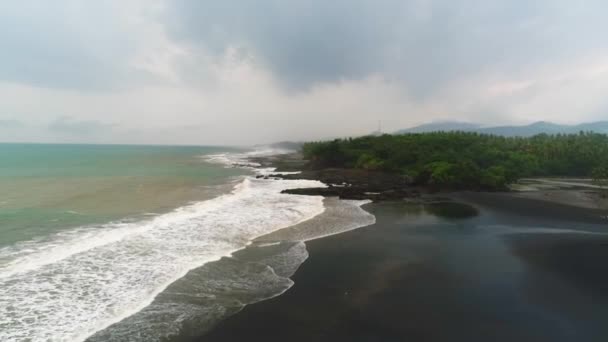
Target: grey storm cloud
(55,44)
(241,71)
(422,43)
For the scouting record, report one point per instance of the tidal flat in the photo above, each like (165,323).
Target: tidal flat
(470,270)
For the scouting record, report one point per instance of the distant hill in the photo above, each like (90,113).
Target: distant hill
(287,145)
(524,131)
(442,126)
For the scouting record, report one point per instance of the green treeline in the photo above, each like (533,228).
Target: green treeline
(466,160)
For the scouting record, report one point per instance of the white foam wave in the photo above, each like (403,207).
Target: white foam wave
(244,159)
(70,286)
(339,216)
(193,304)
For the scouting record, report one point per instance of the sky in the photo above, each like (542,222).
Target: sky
(258,71)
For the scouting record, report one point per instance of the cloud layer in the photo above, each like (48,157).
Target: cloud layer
(235,72)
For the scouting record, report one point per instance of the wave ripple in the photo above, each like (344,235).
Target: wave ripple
(76,284)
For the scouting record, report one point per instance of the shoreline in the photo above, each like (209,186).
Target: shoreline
(411,276)
(395,281)
(256,272)
(569,203)
(534,208)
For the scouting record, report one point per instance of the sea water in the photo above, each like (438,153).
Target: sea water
(130,243)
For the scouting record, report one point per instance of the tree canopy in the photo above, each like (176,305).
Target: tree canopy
(600,178)
(465,159)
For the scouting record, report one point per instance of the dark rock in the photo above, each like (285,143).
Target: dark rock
(357,193)
(282,162)
(375,181)
(353,184)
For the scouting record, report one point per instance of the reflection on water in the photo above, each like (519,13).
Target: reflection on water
(451,210)
(531,276)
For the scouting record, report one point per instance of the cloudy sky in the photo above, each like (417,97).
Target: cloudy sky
(257,71)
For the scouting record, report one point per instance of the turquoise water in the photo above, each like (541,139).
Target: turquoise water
(48,188)
(91,237)
(133,243)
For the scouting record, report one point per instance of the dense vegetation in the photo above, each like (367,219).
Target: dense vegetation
(466,160)
(600,178)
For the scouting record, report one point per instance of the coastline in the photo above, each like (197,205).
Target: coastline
(411,276)
(199,293)
(534,208)
(548,199)
(260,270)
(168,275)
(402,279)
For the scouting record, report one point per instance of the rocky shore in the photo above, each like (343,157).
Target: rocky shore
(472,267)
(378,186)
(420,274)
(352,184)
(356,184)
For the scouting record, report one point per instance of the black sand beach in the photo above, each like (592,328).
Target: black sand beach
(440,273)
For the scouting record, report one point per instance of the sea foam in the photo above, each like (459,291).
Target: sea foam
(72,285)
(168,275)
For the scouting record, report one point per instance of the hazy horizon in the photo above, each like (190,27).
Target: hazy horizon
(189,72)
(269,143)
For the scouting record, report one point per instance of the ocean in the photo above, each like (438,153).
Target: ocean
(146,243)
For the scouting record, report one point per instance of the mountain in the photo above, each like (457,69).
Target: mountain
(599,126)
(287,145)
(524,131)
(442,126)
(529,130)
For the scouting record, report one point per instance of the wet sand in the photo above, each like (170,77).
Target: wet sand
(422,274)
(535,207)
